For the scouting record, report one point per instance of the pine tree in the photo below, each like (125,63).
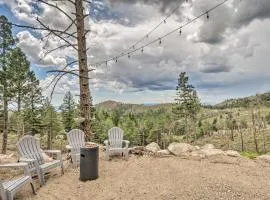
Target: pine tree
(51,122)
(19,71)
(6,43)
(33,102)
(186,103)
(68,109)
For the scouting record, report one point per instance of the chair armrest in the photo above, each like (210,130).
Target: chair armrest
(13,165)
(126,143)
(69,147)
(16,165)
(27,160)
(56,152)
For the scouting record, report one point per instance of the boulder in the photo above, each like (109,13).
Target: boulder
(181,149)
(211,152)
(208,146)
(163,152)
(153,147)
(265,158)
(232,153)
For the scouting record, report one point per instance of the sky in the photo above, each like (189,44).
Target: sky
(225,56)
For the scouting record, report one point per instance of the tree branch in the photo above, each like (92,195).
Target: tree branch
(68,64)
(58,8)
(58,35)
(59,47)
(71,72)
(36,28)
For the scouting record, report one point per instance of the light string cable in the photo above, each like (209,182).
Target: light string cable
(124,53)
(177,5)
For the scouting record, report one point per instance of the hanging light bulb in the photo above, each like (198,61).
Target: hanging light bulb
(160,41)
(133,47)
(116,59)
(106,63)
(207,15)
(180,31)
(128,55)
(142,50)
(164,21)
(147,36)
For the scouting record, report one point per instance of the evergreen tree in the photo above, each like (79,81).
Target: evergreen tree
(33,102)
(19,71)
(68,109)
(186,104)
(51,122)
(6,43)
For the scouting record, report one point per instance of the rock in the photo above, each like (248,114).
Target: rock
(153,147)
(265,158)
(232,153)
(181,149)
(197,147)
(197,155)
(164,152)
(208,146)
(211,152)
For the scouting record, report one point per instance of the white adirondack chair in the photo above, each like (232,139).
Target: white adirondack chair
(114,145)
(9,188)
(30,152)
(76,140)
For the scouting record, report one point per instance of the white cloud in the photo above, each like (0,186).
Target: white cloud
(222,55)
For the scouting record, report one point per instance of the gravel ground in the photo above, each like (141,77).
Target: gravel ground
(148,177)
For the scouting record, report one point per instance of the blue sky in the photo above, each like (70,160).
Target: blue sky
(225,56)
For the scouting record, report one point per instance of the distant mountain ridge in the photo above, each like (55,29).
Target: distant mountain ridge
(258,99)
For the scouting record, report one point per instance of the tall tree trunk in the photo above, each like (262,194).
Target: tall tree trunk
(5,134)
(85,103)
(242,139)
(49,139)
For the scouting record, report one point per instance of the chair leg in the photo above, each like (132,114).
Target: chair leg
(3,194)
(107,156)
(42,178)
(126,155)
(62,169)
(33,189)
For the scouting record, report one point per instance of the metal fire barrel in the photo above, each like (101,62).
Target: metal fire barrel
(89,157)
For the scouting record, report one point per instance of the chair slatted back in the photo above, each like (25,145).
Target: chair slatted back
(76,139)
(115,137)
(29,147)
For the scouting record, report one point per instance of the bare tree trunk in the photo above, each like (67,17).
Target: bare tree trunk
(49,139)
(242,140)
(5,134)
(254,131)
(85,101)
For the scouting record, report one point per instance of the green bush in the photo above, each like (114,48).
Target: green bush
(251,155)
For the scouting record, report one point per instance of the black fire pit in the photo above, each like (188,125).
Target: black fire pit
(89,162)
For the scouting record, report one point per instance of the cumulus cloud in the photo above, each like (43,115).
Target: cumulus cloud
(227,51)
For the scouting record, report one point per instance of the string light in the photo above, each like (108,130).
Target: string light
(167,34)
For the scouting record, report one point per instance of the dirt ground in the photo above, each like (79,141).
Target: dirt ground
(156,178)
